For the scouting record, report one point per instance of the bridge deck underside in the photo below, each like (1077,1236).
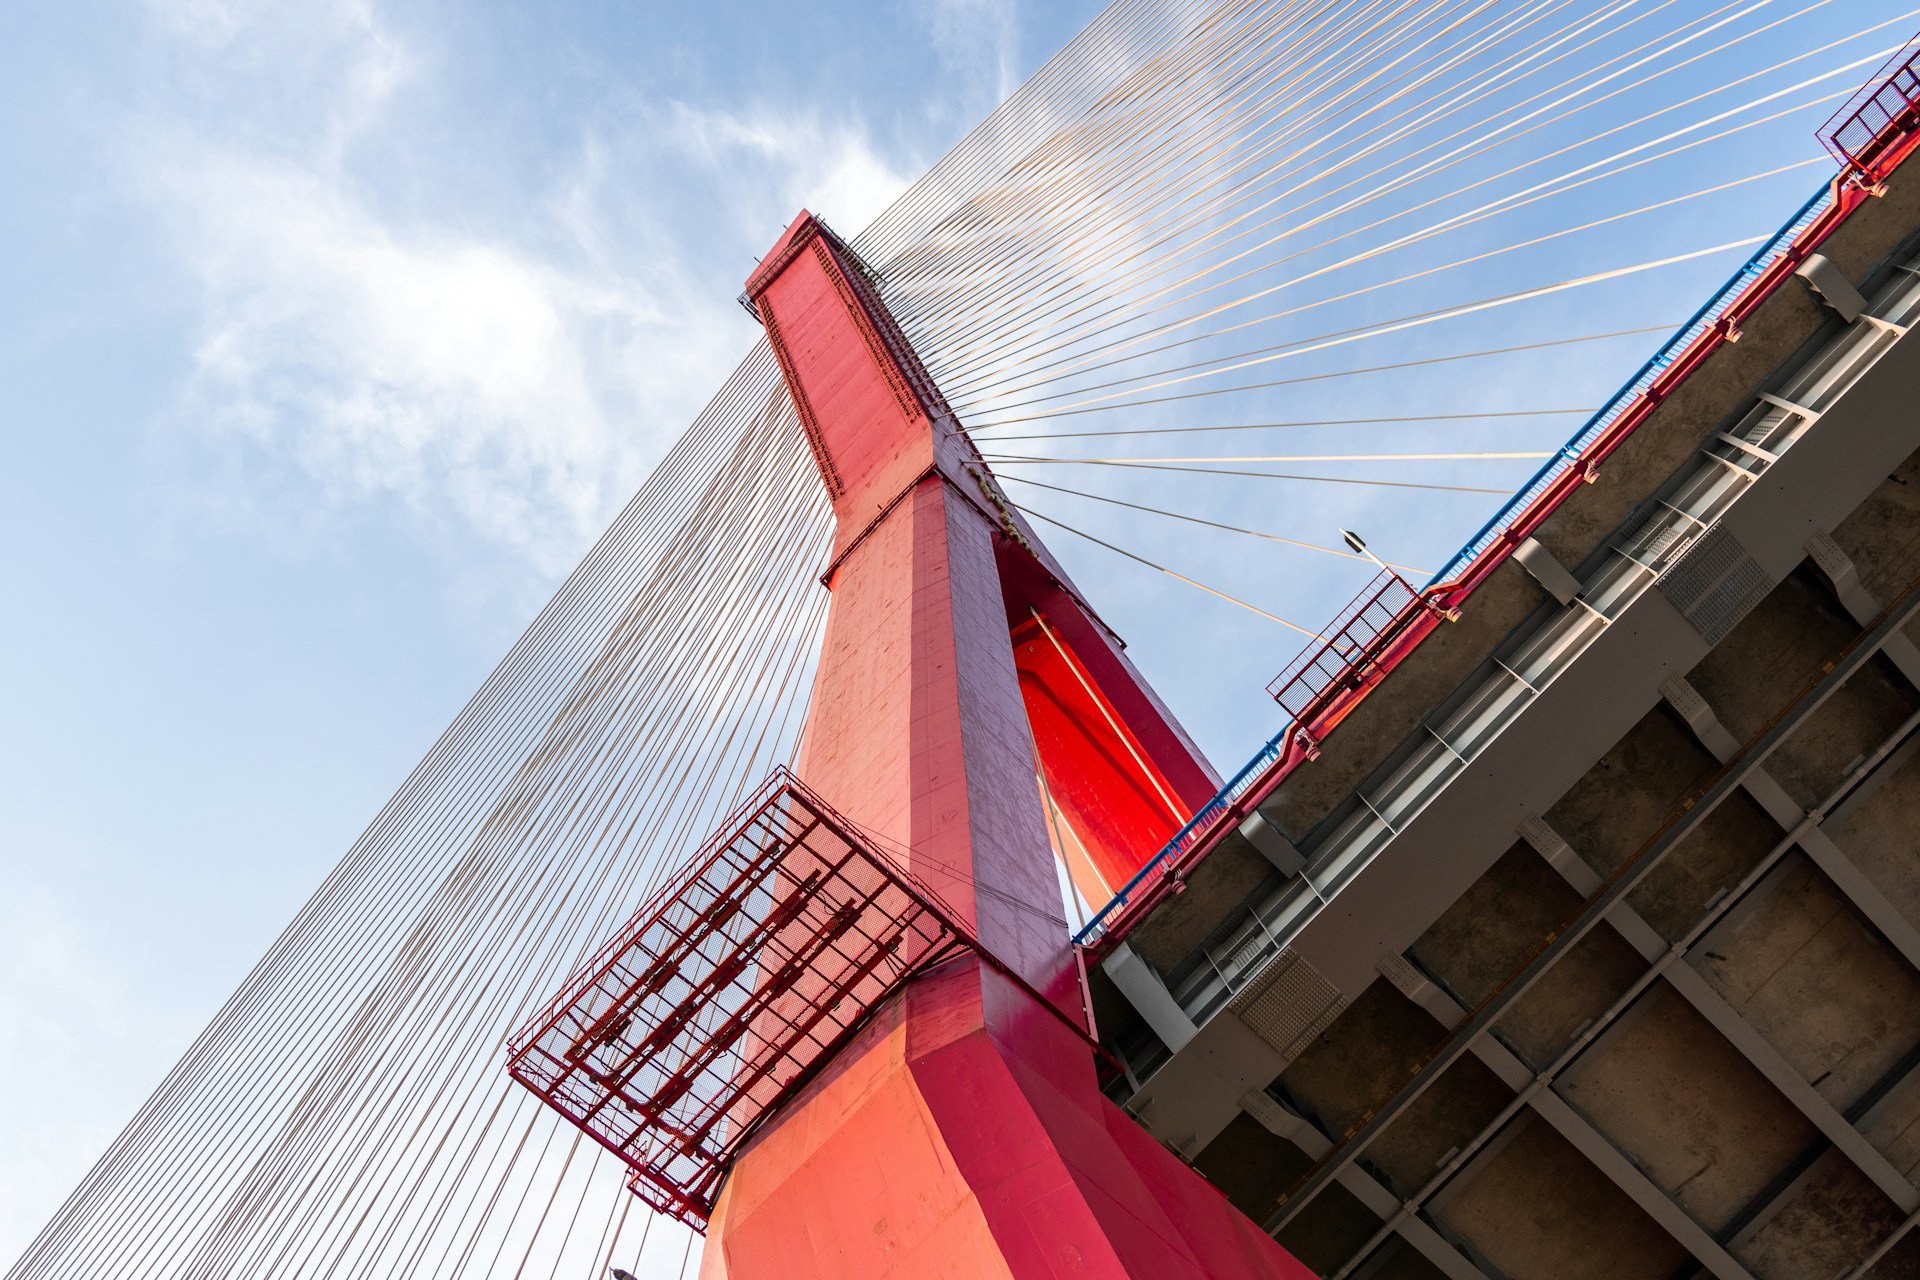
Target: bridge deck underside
(1649,1005)
(1789,986)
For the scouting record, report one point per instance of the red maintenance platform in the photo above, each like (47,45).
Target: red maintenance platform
(730,988)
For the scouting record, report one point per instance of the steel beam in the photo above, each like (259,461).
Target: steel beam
(1863,1115)
(1863,893)
(1397,1216)
(1741,1034)
(1653,1201)
(1537,1093)
(1812,838)
(1731,778)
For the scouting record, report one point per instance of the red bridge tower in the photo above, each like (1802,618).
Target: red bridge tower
(961,1131)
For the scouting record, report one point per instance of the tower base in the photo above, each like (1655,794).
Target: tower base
(921,1154)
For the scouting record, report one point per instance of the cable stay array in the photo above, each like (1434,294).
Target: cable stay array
(1281,224)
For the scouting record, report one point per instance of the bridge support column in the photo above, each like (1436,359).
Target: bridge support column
(963,1132)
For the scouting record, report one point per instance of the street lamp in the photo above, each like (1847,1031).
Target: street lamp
(1359,544)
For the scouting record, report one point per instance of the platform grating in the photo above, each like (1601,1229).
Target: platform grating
(725,994)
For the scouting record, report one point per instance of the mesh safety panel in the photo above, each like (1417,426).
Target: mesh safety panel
(728,990)
(1343,657)
(1866,130)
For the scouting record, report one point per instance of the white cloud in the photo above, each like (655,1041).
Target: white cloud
(514,382)
(467,379)
(797,159)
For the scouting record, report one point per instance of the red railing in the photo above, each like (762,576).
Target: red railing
(1864,134)
(1343,658)
(1873,135)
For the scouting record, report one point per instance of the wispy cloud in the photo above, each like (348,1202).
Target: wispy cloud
(512,373)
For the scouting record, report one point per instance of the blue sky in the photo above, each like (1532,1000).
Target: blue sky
(332,334)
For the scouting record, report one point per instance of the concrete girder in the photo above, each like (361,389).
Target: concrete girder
(1859,602)
(1437,799)
(1547,571)
(1814,483)
(1813,839)
(1147,992)
(1731,778)
(1833,287)
(1743,1036)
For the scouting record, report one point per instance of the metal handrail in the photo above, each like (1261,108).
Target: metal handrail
(1489,535)
(1896,138)
(1348,633)
(1164,861)
(1894,95)
(1568,455)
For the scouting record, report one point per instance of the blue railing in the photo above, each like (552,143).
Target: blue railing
(1163,861)
(1568,455)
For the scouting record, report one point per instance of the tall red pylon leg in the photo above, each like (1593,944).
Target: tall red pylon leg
(962,1133)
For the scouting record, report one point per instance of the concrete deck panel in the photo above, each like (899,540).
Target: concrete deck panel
(1827,993)
(1538,1209)
(1773,653)
(1463,1101)
(1402,1262)
(1834,1221)
(1894,1126)
(1492,929)
(1785,323)
(1687,1108)
(1336,1229)
(1882,536)
(1362,1056)
(1250,1165)
(1623,799)
(1816,759)
(1708,863)
(1589,978)
(1883,839)
(1550,1194)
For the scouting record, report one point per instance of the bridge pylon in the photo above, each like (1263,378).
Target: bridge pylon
(962,1131)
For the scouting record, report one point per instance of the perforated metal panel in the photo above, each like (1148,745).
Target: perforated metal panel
(1656,536)
(1731,599)
(1399,970)
(1544,839)
(1828,556)
(1288,1003)
(1684,698)
(1715,584)
(1273,1117)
